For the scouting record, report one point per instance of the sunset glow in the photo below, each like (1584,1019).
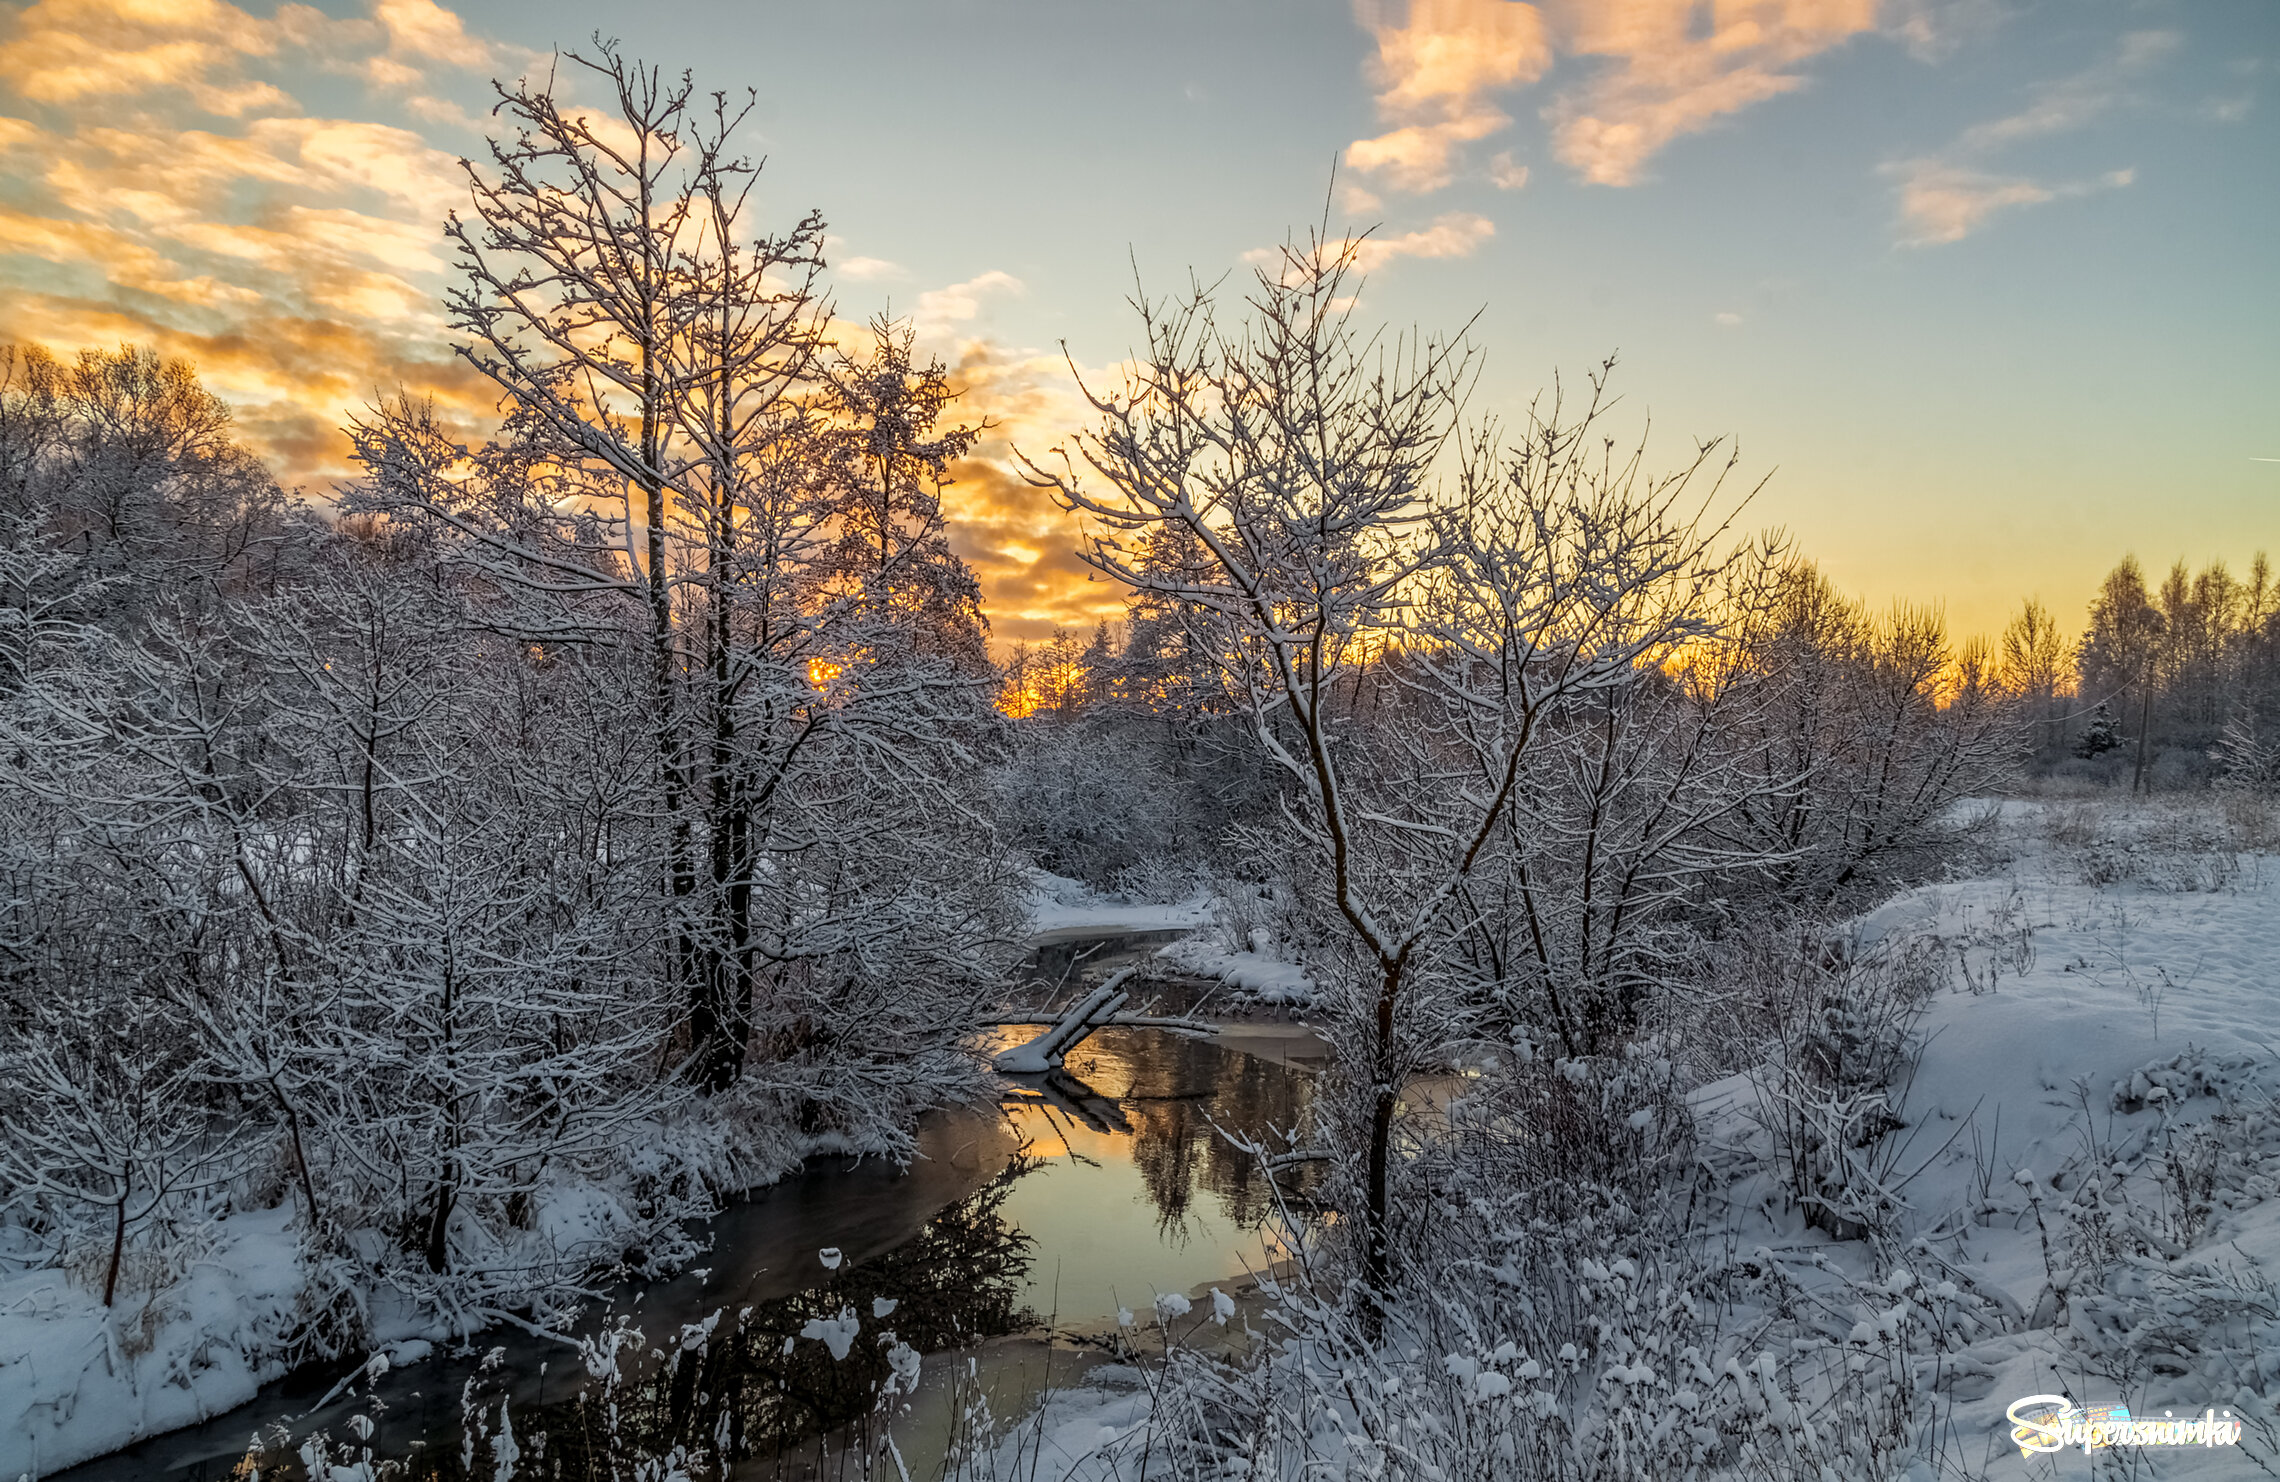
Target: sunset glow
(1173,739)
(1919,258)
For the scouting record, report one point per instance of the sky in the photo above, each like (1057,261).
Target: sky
(1989,288)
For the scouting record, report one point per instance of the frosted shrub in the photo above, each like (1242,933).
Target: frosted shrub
(1558,1315)
(2174,846)
(2252,820)
(1075,816)
(1253,918)
(1832,1026)
(1156,880)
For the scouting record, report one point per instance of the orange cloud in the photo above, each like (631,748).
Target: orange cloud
(1945,203)
(1457,234)
(1022,546)
(1437,62)
(67,51)
(1668,75)
(1452,234)
(1023,549)
(163,188)
(425,30)
(1506,173)
(941,311)
(1672,67)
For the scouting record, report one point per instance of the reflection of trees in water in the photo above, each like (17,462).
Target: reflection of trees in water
(957,1282)
(1172,1091)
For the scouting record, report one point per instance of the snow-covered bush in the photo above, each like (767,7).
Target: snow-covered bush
(1869,730)
(1089,805)
(2178,845)
(2145,1286)
(107,1134)
(1253,918)
(1116,790)
(1558,1314)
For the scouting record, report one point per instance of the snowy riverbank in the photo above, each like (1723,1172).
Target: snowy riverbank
(78,1380)
(2081,1178)
(2070,1185)
(1217,941)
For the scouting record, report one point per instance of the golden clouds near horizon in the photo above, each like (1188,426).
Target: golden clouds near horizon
(167,179)
(1022,546)
(165,189)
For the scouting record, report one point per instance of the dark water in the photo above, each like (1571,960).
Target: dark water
(1083,1193)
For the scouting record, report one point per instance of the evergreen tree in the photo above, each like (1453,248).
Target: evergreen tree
(2102,735)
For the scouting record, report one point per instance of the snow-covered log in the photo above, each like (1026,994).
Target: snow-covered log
(1050,1048)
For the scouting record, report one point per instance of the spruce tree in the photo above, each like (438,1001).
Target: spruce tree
(2102,735)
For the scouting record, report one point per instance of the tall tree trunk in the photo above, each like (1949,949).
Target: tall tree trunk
(118,1243)
(447,1182)
(739,936)
(1385,1100)
(717,1027)
(681,964)
(439,1218)
(300,1158)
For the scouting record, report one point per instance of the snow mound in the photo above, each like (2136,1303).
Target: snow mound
(1061,909)
(1265,978)
(78,1380)
(2091,1126)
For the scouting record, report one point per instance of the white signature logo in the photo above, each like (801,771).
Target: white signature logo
(2045,1423)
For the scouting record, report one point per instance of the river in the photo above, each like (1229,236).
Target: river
(1012,1241)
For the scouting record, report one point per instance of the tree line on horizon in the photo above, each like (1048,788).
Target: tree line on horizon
(2169,685)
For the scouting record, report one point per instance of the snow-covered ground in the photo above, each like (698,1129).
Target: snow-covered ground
(76,1381)
(2088,1166)
(1062,910)
(2094,1115)
(1260,976)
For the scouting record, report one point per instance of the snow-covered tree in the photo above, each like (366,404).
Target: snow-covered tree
(1869,728)
(891,458)
(1404,652)
(687,454)
(2100,734)
(106,1119)
(127,461)
(2036,671)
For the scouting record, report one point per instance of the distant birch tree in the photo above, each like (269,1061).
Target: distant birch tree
(2034,669)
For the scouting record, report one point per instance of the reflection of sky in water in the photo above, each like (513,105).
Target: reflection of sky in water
(1146,1196)
(1100,1239)
(1133,1192)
